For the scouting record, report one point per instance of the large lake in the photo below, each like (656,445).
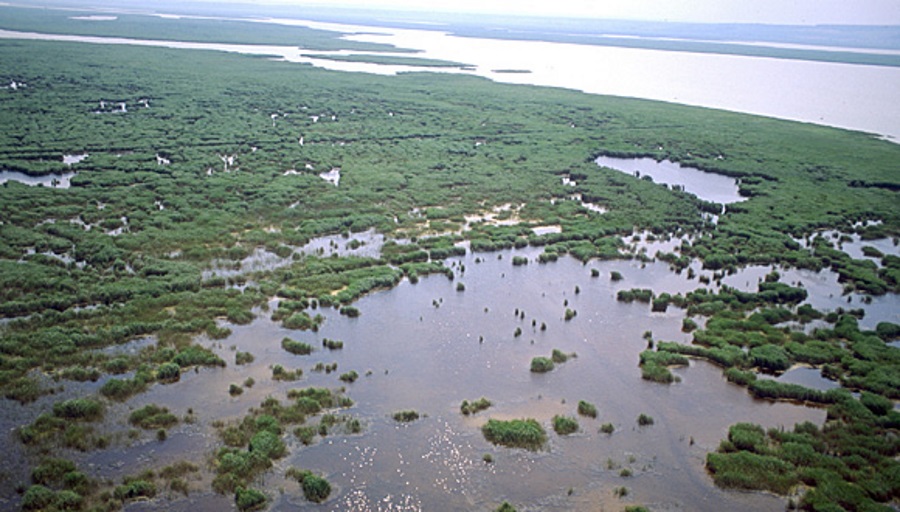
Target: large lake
(857,97)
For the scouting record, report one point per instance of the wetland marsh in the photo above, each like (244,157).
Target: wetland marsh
(273,286)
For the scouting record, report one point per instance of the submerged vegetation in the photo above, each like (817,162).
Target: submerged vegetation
(197,198)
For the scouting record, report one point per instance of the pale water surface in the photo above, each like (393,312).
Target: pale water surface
(856,97)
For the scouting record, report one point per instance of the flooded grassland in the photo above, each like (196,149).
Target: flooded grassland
(272,285)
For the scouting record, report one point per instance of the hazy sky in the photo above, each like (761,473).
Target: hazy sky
(879,12)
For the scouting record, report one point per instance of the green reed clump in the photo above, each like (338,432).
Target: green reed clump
(405,416)
(542,364)
(565,425)
(474,406)
(519,433)
(587,409)
(296,347)
(152,416)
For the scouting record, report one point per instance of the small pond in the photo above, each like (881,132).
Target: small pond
(805,376)
(46,180)
(705,185)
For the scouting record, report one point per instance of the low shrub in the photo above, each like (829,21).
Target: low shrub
(83,409)
(151,417)
(249,499)
(316,488)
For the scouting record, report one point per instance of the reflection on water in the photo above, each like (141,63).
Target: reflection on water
(45,180)
(431,358)
(364,244)
(857,97)
(825,293)
(805,376)
(705,185)
(428,347)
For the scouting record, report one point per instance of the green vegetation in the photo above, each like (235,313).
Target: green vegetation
(155,238)
(332,344)
(243,358)
(565,425)
(57,484)
(133,489)
(474,406)
(655,365)
(405,416)
(349,377)
(78,409)
(837,462)
(607,428)
(68,426)
(168,372)
(152,417)
(315,488)
(249,499)
(296,347)
(253,443)
(541,364)
(522,433)
(587,409)
(559,357)
(166,295)
(635,294)
(644,420)
(280,373)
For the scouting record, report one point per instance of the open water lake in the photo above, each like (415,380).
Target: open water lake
(856,97)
